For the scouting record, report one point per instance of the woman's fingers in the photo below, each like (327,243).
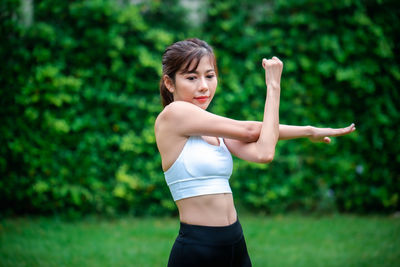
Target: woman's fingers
(270,62)
(324,134)
(267,62)
(347,130)
(339,132)
(276,59)
(264,63)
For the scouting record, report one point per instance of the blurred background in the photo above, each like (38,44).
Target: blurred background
(79,97)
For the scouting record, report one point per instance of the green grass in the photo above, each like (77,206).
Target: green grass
(272,241)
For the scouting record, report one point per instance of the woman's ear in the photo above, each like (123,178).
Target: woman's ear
(168,83)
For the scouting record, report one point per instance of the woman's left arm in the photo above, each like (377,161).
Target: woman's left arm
(315,134)
(286,132)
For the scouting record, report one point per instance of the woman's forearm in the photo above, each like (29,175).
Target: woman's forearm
(269,130)
(286,132)
(315,134)
(264,148)
(291,131)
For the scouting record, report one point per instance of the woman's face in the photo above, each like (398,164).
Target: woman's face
(196,87)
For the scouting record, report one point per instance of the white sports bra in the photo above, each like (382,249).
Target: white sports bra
(200,169)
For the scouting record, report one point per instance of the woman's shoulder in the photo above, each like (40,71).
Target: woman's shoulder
(168,113)
(175,111)
(178,106)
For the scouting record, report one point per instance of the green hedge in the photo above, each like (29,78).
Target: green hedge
(341,65)
(80,96)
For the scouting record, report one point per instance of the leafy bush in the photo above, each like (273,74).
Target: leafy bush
(80,96)
(80,132)
(341,65)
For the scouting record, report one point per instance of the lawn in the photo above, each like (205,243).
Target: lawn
(338,240)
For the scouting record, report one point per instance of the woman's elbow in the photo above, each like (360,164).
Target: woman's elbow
(252,133)
(266,157)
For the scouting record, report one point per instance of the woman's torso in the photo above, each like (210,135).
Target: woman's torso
(212,209)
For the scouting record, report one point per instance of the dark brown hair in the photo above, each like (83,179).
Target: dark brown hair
(179,56)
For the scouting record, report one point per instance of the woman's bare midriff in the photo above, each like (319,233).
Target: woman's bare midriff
(209,210)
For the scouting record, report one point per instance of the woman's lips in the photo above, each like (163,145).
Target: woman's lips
(201,99)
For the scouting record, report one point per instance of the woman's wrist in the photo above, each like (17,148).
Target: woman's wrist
(310,130)
(274,93)
(273,87)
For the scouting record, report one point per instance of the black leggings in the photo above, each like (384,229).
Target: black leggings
(208,246)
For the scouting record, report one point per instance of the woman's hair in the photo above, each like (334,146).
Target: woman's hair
(178,57)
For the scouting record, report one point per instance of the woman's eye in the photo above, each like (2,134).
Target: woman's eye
(210,76)
(191,78)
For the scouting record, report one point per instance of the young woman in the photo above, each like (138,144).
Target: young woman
(196,146)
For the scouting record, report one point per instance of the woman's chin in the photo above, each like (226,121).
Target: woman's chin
(204,106)
(201,105)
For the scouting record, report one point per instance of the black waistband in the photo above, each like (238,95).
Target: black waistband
(210,235)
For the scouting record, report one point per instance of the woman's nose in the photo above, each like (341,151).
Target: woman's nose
(203,85)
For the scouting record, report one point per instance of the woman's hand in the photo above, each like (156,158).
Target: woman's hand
(273,71)
(323,134)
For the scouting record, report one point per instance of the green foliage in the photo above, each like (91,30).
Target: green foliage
(79,128)
(80,95)
(341,65)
